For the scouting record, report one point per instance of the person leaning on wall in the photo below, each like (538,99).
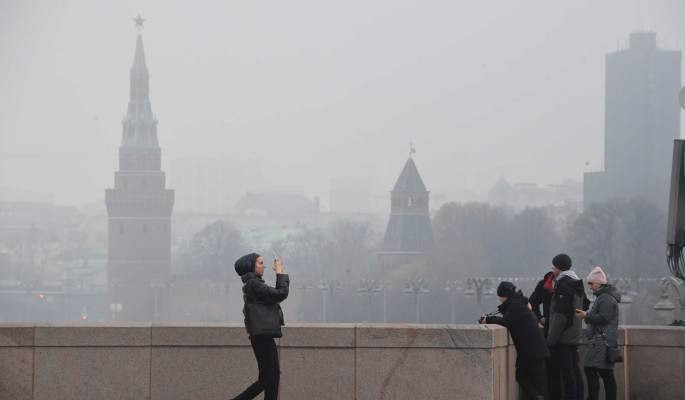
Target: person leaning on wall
(531,348)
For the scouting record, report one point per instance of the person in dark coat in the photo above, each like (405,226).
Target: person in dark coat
(531,349)
(565,329)
(251,269)
(541,298)
(602,322)
(540,301)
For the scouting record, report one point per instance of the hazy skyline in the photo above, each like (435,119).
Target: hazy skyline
(317,91)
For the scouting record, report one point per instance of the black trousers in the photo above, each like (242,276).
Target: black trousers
(593,375)
(532,379)
(565,363)
(266,352)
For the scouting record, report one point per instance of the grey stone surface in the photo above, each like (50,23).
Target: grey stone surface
(656,336)
(16,373)
(318,335)
(92,335)
(200,335)
(16,335)
(656,372)
(207,373)
(424,373)
(317,373)
(102,373)
(430,336)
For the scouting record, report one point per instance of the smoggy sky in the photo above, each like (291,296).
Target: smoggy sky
(314,90)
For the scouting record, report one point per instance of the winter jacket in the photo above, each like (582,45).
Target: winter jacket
(255,290)
(523,327)
(603,316)
(569,295)
(542,297)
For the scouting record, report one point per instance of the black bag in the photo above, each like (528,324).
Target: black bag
(613,353)
(263,319)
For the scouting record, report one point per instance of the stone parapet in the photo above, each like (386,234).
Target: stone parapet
(318,361)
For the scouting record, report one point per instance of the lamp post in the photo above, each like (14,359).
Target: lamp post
(369,287)
(624,286)
(156,285)
(479,287)
(453,287)
(416,287)
(327,288)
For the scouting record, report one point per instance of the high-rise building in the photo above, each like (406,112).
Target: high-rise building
(139,207)
(409,234)
(642,118)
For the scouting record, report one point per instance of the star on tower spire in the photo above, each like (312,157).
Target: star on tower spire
(139,22)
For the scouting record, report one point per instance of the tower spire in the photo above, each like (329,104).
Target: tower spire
(140,126)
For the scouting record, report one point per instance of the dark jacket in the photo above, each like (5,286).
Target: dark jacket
(542,297)
(255,290)
(603,316)
(564,326)
(523,327)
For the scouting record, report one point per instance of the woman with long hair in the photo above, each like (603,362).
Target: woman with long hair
(263,321)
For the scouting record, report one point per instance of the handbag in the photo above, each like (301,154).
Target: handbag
(613,353)
(263,319)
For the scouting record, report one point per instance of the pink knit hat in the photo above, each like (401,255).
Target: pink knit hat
(597,276)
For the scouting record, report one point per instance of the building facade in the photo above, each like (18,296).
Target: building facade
(642,118)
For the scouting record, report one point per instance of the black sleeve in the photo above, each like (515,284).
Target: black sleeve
(536,299)
(270,294)
(495,320)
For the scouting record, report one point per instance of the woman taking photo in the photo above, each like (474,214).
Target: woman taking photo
(602,343)
(263,321)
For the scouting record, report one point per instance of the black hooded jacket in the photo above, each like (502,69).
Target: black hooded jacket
(255,290)
(523,327)
(564,326)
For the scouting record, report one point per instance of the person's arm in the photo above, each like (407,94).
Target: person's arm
(273,294)
(602,314)
(535,300)
(558,318)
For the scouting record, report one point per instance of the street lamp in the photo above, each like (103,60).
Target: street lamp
(416,287)
(453,287)
(156,285)
(369,287)
(479,287)
(327,287)
(624,286)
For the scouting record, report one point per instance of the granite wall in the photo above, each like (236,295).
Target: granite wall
(327,361)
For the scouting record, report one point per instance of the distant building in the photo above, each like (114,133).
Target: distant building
(521,195)
(409,234)
(212,186)
(642,118)
(277,205)
(139,208)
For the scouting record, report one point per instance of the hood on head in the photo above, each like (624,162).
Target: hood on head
(571,278)
(246,263)
(611,291)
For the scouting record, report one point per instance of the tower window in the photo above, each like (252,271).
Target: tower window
(121,228)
